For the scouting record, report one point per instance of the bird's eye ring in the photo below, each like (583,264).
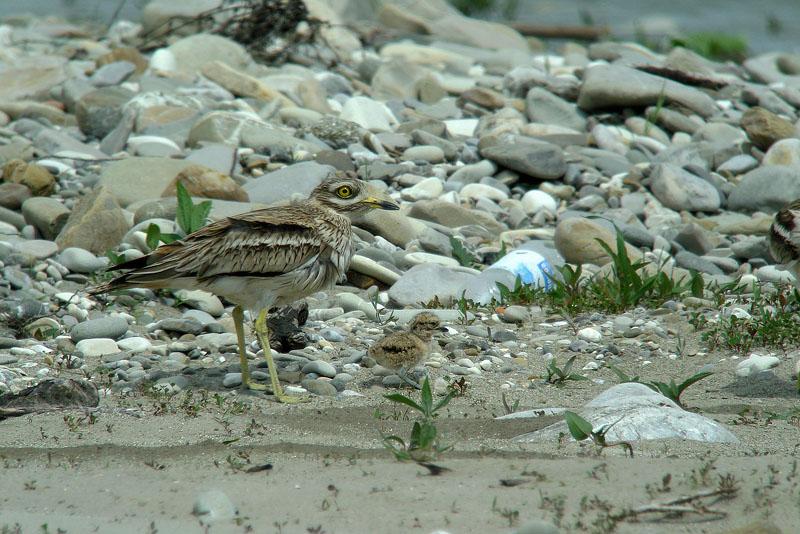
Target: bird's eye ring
(345,191)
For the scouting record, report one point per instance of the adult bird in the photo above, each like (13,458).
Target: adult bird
(263,258)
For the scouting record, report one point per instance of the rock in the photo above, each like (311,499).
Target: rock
(478,191)
(93,348)
(423,283)
(13,195)
(689,260)
(680,190)
(540,160)
(99,111)
(201,300)
(783,152)
(241,84)
(369,114)
(134,344)
(453,216)
(125,54)
(240,128)
(36,248)
(79,260)
(105,327)
(337,132)
(47,214)
(431,154)
(766,188)
(373,269)
(320,367)
(636,412)
(97,223)
(322,388)
(542,106)
(138,178)
(575,239)
(298,179)
(202,182)
(193,52)
(393,226)
(756,364)
(27,77)
(609,86)
(214,506)
(112,73)
(427,189)
(33,176)
(764,128)
(535,200)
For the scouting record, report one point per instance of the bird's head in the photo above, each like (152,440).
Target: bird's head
(351,197)
(424,325)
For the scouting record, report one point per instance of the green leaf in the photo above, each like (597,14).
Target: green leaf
(697,284)
(426,398)
(693,379)
(402,399)
(199,214)
(427,435)
(579,427)
(153,236)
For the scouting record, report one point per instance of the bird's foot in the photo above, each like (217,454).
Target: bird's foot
(286,399)
(254,386)
(410,382)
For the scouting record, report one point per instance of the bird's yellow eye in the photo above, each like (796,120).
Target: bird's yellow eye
(345,191)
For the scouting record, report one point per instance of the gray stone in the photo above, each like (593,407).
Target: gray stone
(393,226)
(232,380)
(545,107)
(680,190)
(137,178)
(765,188)
(423,283)
(17,278)
(105,327)
(320,367)
(36,248)
(695,239)
(300,178)
(93,348)
(608,86)
(453,215)
(182,326)
(201,300)
(13,195)
(540,160)
(322,388)
(79,260)
(688,260)
(97,223)
(47,214)
(192,52)
(99,111)
(112,73)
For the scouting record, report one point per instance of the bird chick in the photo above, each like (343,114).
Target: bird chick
(401,351)
(784,238)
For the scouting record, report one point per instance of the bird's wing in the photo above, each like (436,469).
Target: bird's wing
(264,242)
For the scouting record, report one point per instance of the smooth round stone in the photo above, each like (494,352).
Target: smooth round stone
(369,114)
(322,388)
(756,364)
(183,326)
(38,248)
(770,273)
(428,188)
(201,300)
(344,377)
(320,367)
(333,335)
(17,278)
(429,153)
(153,146)
(418,258)
(478,331)
(232,380)
(380,370)
(535,201)
(97,347)
(479,191)
(537,527)
(22,351)
(213,506)
(516,314)
(105,327)
(200,316)
(503,335)
(623,321)
(590,334)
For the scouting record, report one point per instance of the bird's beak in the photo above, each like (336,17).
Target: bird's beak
(380,203)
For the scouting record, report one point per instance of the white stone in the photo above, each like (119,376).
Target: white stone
(478,191)
(417,258)
(590,334)
(429,188)
(756,364)
(134,344)
(461,127)
(535,201)
(163,59)
(369,114)
(97,347)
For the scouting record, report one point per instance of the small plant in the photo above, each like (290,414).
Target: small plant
(508,513)
(581,429)
(423,444)
(508,409)
(458,386)
(673,391)
(464,305)
(190,217)
(116,259)
(652,118)
(461,253)
(718,46)
(559,376)
(380,310)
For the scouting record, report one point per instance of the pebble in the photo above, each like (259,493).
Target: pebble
(92,348)
(106,327)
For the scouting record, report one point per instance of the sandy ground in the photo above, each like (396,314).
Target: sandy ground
(140,462)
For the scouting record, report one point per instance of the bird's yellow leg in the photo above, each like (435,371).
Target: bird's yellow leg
(238,323)
(263,338)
